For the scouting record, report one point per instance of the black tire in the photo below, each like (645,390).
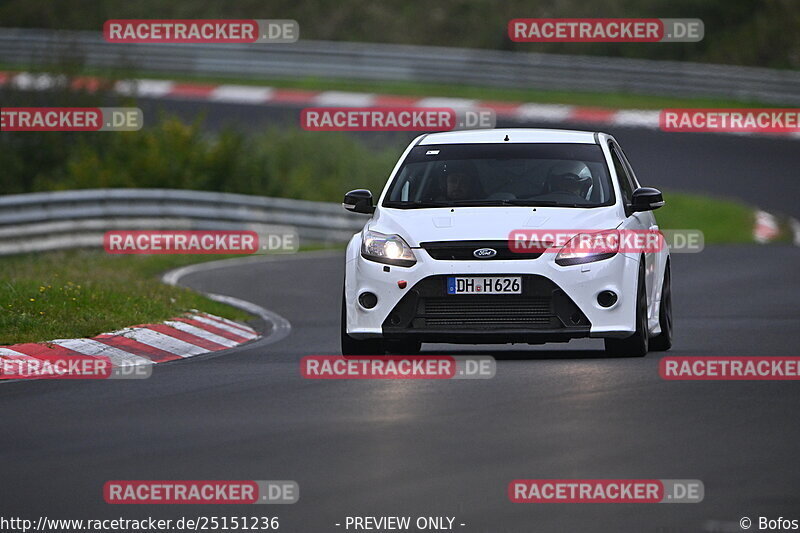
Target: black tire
(403,347)
(351,346)
(637,344)
(663,341)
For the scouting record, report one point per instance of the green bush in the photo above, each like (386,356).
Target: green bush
(285,163)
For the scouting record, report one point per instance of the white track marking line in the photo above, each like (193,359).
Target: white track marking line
(454,103)
(242,94)
(344,99)
(147,88)
(203,334)
(236,330)
(634,117)
(546,112)
(281,328)
(92,347)
(227,321)
(26,81)
(222,319)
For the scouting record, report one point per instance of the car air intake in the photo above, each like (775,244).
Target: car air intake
(486,311)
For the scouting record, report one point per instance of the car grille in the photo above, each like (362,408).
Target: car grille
(463,251)
(486,311)
(541,305)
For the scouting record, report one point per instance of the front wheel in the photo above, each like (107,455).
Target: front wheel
(351,346)
(637,344)
(663,341)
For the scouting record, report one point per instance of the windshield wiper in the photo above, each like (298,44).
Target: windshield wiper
(541,203)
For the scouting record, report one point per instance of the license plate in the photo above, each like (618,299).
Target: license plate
(484,285)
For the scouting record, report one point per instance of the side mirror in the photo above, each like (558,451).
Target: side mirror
(646,199)
(359,201)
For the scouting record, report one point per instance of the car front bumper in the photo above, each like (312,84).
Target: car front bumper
(558,303)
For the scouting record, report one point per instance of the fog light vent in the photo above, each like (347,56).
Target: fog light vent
(367,300)
(607,298)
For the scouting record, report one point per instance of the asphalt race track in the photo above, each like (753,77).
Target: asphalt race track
(450,448)
(433,447)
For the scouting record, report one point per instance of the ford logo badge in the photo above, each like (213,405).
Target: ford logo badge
(484,253)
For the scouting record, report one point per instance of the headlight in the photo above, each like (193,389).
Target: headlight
(389,249)
(588,248)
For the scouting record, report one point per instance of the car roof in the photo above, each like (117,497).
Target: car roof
(515,135)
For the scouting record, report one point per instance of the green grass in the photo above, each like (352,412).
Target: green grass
(82,293)
(583,98)
(721,221)
(79,293)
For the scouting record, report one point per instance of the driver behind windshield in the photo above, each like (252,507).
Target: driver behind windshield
(459,187)
(461,184)
(568,178)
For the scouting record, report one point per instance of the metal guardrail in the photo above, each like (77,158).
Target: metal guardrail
(74,219)
(386,62)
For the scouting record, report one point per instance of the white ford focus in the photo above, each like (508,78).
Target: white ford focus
(445,256)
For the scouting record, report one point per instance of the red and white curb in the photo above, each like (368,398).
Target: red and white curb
(767,228)
(192,334)
(261,95)
(182,337)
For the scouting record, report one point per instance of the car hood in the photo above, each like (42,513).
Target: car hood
(487,223)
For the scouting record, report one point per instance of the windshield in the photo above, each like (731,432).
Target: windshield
(452,175)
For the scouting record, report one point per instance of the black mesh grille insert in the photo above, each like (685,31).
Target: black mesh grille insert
(486,306)
(486,311)
(483,322)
